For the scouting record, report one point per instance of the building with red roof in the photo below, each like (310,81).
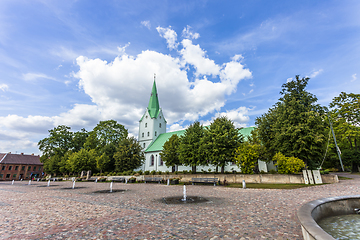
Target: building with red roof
(20,166)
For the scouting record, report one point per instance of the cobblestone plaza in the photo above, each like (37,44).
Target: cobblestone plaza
(138,212)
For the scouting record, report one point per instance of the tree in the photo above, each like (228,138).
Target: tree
(221,141)
(246,157)
(191,150)
(79,139)
(288,165)
(129,155)
(82,160)
(104,139)
(295,126)
(170,152)
(55,147)
(345,111)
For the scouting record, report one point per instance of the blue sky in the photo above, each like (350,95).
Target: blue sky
(79,62)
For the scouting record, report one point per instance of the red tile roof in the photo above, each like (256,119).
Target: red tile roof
(9,158)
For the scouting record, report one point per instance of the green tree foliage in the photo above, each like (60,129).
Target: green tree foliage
(129,155)
(103,162)
(82,160)
(191,150)
(288,165)
(345,112)
(105,138)
(170,152)
(247,156)
(79,139)
(221,141)
(295,126)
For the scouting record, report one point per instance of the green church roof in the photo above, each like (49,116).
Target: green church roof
(158,144)
(154,107)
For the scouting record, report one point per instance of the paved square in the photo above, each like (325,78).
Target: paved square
(59,212)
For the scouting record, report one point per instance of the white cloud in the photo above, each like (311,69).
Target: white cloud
(120,90)
(194,55)
(4,87)
(35,76)
(315,73)
(146,24)
(353,77)
(122,49)
(239,116)
(170,36)
(187,33)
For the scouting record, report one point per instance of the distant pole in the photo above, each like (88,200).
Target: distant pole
(337,148)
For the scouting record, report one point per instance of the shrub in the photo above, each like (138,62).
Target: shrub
(159,172)
(176,172)
(153,172)
(140,172)
(209,170)
(185,172)
(272,171)
(288,165)
(167,172)
(147,172)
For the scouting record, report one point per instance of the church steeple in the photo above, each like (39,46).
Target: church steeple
(154,107)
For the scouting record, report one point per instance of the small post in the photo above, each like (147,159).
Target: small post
(95,180)
(12,183)
(168,182)
(244,184)
(73,186)
(48,184)
(111,186)
(54,180)
(29,182)
(126,180)
(38,179)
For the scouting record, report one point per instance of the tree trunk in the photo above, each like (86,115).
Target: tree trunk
(173,169)
(355,167)
(193,169)
(222,169)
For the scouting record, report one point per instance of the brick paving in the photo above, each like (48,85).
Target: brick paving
(59,212)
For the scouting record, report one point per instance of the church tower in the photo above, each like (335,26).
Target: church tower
(152,123)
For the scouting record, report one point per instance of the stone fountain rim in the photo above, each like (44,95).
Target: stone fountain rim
(307,221)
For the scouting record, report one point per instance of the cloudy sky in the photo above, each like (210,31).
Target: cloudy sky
(77,62)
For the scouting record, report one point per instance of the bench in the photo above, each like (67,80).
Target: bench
(153,179)
(204,180)
(118,179)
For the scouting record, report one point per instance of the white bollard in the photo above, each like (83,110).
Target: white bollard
(168,182)
(126,180)
(38,179)
(12,183)
(29,182)
(73,186)
(96,180)
(244,184)
(111,185)
(48,184)
(54,180)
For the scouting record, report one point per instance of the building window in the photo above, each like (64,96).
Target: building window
(155,133)
(39,168)
(144,145)
(142,134)
(34,169)
(148,133)
(10,168)
(29,168)
(1,176)
(160,161)
(145,124)
(160,118)
(3,168)
(23,168)
(152,160)
(14,176)
(7,175)
(16,168)
(159,125)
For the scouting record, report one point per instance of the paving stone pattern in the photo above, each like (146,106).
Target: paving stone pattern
(59,212)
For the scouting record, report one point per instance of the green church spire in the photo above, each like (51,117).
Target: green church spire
(154,107)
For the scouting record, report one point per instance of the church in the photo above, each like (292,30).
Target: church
(153,135)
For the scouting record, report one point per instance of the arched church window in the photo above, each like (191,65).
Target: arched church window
(159,125)
(160,161)
(144,145)
(142,134)
(152,160)
(160,117)
(155,133)
(148,133)
(145,124)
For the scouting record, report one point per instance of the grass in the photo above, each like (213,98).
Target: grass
(343,178)
(270,185)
